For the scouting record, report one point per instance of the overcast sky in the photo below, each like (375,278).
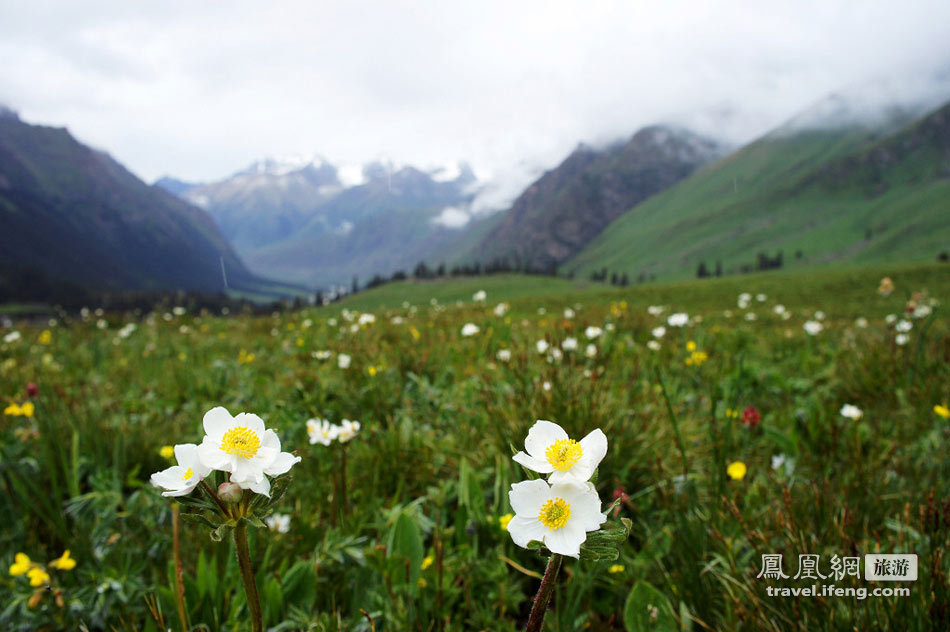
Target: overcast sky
(200,89)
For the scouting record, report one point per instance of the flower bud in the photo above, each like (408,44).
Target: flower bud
(230,492)
(32,390)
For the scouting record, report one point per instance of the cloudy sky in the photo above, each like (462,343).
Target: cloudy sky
(200,89)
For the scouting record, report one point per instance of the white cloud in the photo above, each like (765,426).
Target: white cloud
(200,90)
(452,217)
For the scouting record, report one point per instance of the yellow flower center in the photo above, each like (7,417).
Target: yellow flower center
(555,513)
(188,474)
(241,441)
(563,454)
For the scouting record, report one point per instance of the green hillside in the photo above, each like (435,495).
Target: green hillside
(846,196)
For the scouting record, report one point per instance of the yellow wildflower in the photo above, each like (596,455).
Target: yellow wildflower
(299,342)
(27,409)
(13,410)
(427,562)
(942,411)
(64,562)
(616,568)
(244,357)
(46,337)
(166,451)
(504,520)
(736,470)
(691,346)
(422,583)
(372,371)
(415,333)
(21,564)
(37,576)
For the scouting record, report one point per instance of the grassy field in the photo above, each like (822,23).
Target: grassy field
(401,527)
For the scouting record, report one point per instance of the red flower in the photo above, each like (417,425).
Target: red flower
(751,417)
(622,495)
(31,390)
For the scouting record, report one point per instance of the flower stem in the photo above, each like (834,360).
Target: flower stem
(179,583)
(247,576)
(543,598)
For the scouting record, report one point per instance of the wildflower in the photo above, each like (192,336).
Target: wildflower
(46,337)
(613,569)
(922,311)
(593,332)
(546,385)
(779,310)
(550,450)
(64,562)
(321,431)
(38,577)
(750,316)
(677,320)
(901,339)
(166,451)
(558,515)
(501,309)
(13,336)
(244,357)
(691,346)
(541,346)
(181,479)
(278,522)
(569,344)
(21,565)
(504,520)
(655,310)
(347,430)
(903,326)
(653,345)
(20,410)
(851,412)
(861,322)
(736,470)
(479,296)
(323,354)
(372,370)
(427,561)
(812,327)
(556,355)
(366,319)
(343,361)
(760,298)
(751,417)
(658,332)
(886,287)
(942,411)
(470,329)
(242,446)
(568,313)
(591,351)
(414,333)
(503,355)
(890,319)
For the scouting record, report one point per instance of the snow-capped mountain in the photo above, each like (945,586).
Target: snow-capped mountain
(306,219)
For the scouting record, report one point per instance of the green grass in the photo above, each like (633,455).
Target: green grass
(428,474)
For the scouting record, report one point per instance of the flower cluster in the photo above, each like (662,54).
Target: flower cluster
(25,409)
(323,432)
(37,574)
(561,511)
(240,446)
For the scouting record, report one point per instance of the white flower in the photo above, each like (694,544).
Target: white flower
(819,315)
(593,332)
(812,327)
(556,355)
(610,327)
(542,311)
(242,446)
(591,351)
(922,311)
(760,298)
(851,412)
(654,345)
(180,479)
(347,430)
(677,320)
(568,313)
(569,344)
(13,336)
(655,310)
(542,346)
(659,332)
(902,339)
(479,296)
(397,320)
(750,316)
(890,319)
(501,309)
(861,322)
(559,515)
(503,355)
(102,324)
(323,354)
(343,361)
(470,329)
(321,431)
(179,311)
(779,309)
(366,319)
(550,450)
(278,522)
(903,326)
(778,460)
(546,385)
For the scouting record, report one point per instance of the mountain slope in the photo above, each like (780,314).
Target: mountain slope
(854,193)
(571,204)
(75,214)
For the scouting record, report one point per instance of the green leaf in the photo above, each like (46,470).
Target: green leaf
(405,541)
(647,609)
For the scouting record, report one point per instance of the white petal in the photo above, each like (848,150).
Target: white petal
(269,439)
(246,470)
(168,478)
(585,505)
(541,435)
(536,465)
(211,456)
(251,421)
(527,497)
(524,529)
(282,464)
(567,540)
(179,492)
(260,487)
(216,422)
